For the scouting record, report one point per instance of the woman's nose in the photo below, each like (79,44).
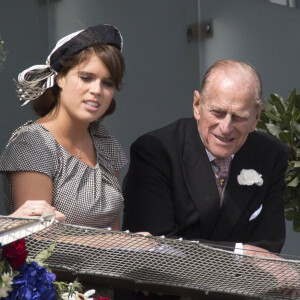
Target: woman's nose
(96,88)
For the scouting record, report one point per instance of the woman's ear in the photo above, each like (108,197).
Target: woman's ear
(60,80)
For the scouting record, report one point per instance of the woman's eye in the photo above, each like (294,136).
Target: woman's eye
(86,78)
(108,83)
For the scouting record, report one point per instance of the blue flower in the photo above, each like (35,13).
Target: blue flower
(33,282)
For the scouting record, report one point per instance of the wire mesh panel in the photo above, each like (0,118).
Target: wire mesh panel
(156,261)
(12,229)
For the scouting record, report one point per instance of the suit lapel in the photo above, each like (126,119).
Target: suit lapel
(236,196)
(200,179)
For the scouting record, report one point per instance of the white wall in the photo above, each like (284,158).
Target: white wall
(265,35)
(161,66)
(23,26)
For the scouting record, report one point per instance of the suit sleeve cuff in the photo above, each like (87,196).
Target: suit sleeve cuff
(239,249)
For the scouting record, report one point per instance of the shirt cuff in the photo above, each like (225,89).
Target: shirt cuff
(239,248)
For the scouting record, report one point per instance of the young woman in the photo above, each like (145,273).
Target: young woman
(67,157)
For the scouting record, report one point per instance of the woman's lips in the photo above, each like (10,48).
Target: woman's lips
(91,105)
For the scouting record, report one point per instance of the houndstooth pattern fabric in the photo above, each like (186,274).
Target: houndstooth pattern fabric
(88,196)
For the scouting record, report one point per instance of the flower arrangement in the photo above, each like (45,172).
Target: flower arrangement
(249,177)
(24,278)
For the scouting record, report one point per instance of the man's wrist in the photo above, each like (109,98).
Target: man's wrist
(239,248)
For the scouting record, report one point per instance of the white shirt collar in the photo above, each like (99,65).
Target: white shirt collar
(211,157)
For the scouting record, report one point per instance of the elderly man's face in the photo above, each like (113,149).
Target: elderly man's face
(226,113)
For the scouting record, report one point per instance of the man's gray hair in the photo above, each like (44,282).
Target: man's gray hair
(227,64)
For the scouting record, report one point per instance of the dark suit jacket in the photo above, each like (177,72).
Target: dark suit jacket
(170,189)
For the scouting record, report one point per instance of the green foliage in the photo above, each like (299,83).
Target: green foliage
(41,257)
(61,287)
(70,288)
(281,118)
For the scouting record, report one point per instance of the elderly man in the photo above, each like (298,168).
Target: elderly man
(212,177)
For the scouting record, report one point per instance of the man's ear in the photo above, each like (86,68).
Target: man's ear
(257,117)
(196,105)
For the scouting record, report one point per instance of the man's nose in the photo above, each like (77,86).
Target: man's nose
(226,124)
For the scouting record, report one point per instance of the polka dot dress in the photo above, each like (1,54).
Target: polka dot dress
(88,196)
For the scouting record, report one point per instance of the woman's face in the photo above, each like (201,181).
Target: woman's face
(86,91)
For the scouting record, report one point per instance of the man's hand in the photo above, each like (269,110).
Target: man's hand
(253,250)
(288,279)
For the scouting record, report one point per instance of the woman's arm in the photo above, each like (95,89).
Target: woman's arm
(30,186)
(28,190)
(117,226)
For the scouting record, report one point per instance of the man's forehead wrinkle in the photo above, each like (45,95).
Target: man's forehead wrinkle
(229,110)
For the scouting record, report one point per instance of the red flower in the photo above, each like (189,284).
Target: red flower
(101,298)
(15,253)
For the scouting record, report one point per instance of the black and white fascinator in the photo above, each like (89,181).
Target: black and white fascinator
(33,81)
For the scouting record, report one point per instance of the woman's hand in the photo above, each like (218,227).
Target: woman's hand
(35,208)
(35,186)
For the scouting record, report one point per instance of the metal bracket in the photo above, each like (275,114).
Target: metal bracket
(192,32)
(205,28)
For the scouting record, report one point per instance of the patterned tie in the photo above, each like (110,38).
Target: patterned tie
(222,173)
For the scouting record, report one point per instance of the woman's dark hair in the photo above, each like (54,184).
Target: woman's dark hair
(112,59)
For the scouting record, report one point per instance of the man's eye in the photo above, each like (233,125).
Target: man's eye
(218,113)
(239,119)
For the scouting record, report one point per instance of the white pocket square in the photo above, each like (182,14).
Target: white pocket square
(256,213)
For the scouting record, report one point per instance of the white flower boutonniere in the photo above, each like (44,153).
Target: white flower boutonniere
(250,177)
